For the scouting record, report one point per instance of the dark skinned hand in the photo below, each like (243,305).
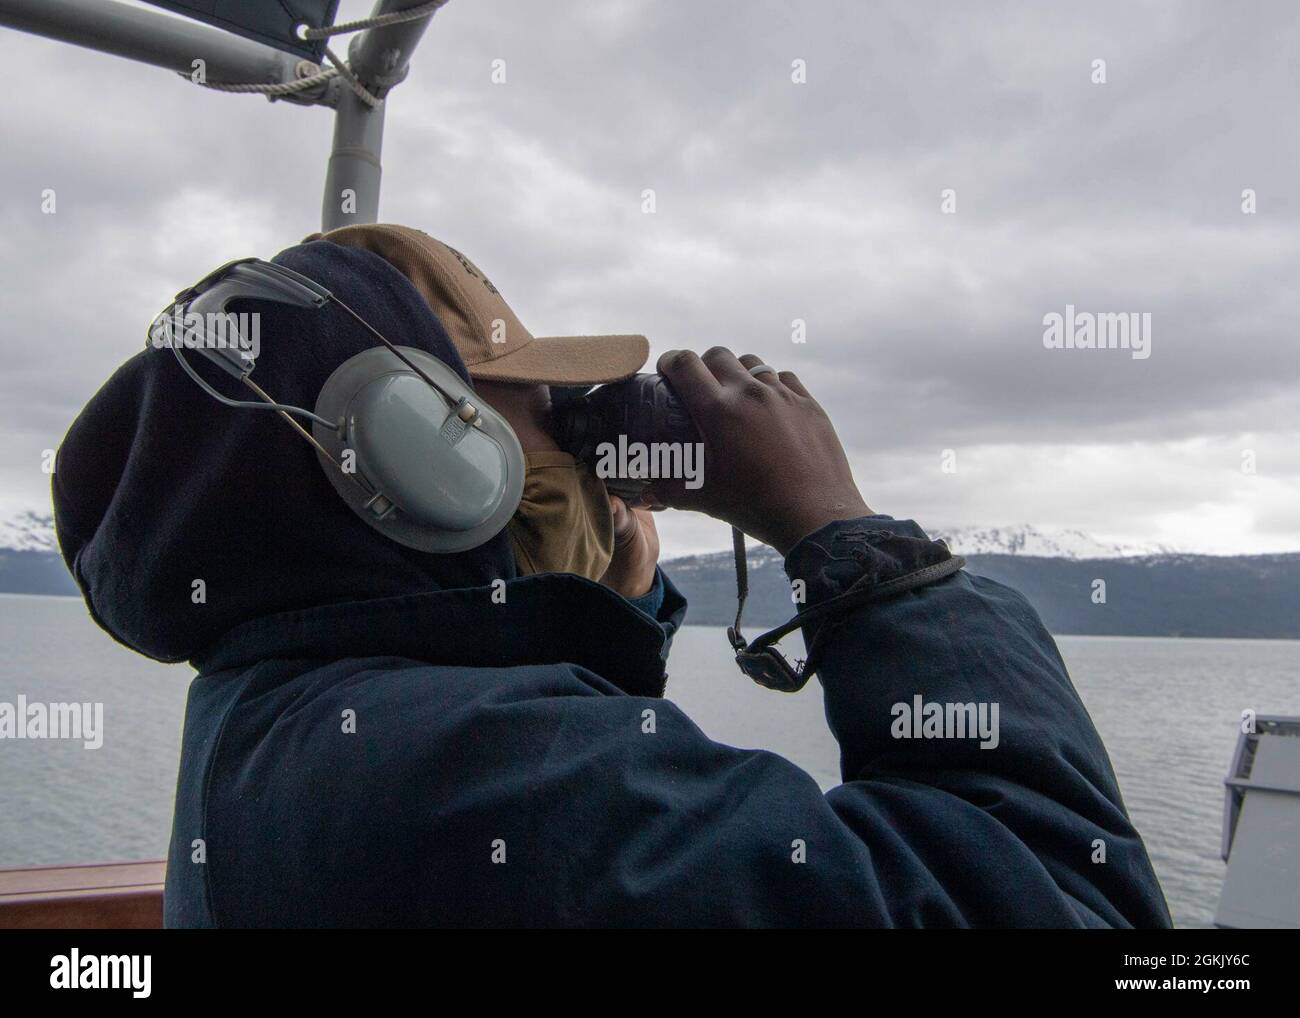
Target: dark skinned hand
(773,465)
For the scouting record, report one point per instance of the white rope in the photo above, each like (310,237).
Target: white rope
(283,88)
(340,68)
(345,72)
(391,18)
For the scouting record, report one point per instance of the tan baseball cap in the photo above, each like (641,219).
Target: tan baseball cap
(492,342)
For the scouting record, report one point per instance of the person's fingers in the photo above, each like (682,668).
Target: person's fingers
(693,382)
(751,360)
(625,522)
(724,365)
(791,381)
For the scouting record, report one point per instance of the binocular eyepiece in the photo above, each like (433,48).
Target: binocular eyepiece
(642,410)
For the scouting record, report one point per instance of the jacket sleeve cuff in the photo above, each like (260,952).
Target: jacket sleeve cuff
(870,551)
(652,600)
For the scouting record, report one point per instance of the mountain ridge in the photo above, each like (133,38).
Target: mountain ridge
(1027,539)
(28,531)
(1161,593)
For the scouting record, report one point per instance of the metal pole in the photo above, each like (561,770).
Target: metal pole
(353,174)
(379,58)
(150,37)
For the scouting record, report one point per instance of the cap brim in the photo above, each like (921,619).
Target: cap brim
(568,360)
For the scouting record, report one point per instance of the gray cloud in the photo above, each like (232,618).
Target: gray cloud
(775,201)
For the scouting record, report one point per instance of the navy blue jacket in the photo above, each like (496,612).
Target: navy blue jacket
(513,765)
(373,740)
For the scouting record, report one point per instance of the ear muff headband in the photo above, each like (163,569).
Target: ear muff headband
(403,438)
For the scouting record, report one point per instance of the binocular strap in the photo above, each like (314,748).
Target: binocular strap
(763,662)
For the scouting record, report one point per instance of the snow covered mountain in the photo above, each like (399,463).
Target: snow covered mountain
(1151,590)
(1021,539)
(30,562)
(1025,539)
(28,531)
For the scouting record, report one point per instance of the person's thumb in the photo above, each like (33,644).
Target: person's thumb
(625,521)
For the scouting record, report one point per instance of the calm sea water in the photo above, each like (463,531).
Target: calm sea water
(1167,710)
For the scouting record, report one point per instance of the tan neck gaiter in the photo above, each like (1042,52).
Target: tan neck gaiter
(563,523)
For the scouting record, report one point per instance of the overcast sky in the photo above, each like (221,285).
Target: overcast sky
(775,201)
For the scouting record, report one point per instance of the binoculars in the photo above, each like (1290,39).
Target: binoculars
(643,409)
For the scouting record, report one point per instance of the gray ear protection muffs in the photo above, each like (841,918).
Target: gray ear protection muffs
(401,436)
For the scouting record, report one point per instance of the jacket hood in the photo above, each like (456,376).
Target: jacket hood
(181,518)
